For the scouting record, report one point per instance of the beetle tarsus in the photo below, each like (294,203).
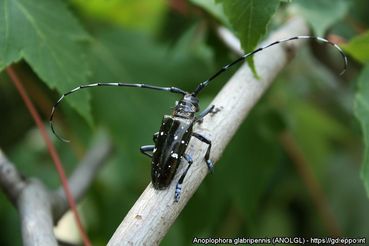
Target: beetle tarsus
(177,193)
(210,166)
(146,148)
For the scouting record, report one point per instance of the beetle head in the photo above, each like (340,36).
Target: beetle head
(187,106)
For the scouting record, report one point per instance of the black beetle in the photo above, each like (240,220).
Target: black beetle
(176,130)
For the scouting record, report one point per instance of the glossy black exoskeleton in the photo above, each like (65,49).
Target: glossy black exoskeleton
(176,130)
(171,143)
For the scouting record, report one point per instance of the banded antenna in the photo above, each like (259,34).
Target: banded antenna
(144,86)
(202,85)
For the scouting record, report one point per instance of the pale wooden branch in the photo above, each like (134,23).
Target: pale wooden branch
(35,213)
(11,181)
(155,211)
(32,201)
(39,208)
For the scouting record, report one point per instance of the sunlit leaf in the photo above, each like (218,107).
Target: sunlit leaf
(50,39)
(358,47)
(139,14)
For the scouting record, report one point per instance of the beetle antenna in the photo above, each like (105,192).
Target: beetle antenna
(145,86)
(202,85)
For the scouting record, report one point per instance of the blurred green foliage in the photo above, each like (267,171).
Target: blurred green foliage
(362,112)
(258,188)
(146,15)
(322,14)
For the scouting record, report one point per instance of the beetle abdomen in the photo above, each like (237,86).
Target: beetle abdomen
(172,141)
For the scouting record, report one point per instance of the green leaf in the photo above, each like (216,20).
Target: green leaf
(362,113)
(358,47)
(50,39)
(213,8)
(322,14)
(249,18)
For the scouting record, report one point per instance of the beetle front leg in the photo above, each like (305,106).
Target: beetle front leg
(207,155)
(178,191)
(147,148)
(209,110)
(201,116)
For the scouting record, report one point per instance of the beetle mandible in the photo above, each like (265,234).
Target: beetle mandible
(176,130)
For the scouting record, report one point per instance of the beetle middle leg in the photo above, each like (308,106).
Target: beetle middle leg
(147,148)
(209,110)
(177,193)
(205,112)
(207,155)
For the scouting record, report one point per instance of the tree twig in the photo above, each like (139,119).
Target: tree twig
(35,212)
(32,201)
(11,181)
(155,211)
(40,209)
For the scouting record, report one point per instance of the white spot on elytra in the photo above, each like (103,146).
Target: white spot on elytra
(175,137)
(161,133)
(182,141)
(174,155)
(182,127)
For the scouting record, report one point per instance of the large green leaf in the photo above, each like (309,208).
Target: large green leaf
(358,47)
(50,39)
(249,18)
(362,113)
(322,14)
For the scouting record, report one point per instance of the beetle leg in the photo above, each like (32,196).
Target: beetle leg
(207,155)
(209,110)
(204,113)
(155,136)
(178,191)
(146,148)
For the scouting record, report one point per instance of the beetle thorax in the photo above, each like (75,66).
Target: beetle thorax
(187,107)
